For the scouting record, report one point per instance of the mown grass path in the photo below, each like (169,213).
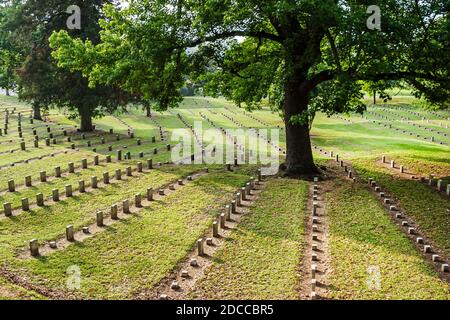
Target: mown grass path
(261,258)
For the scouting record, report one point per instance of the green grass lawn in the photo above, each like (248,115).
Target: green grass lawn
(365,244)
(10,291)
(136,254)
(59,183)
(261,258)
(420,202)
(33,168)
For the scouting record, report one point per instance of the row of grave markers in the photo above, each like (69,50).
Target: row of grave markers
(40,200)
(316,241)
(218,225)
(411,231)
(439,183)
(412,124)
(126,207)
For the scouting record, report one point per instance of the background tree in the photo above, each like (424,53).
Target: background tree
(309,55)
(40,81)
(10,57)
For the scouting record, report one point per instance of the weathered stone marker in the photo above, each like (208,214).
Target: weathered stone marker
(149,164)
(200,248)
(81,186)
(243,194)
(315,206)
(11,186)
(43,176)
(126,206)
(119,155)
(69,190)
(222,221)
(96,160)
(108,159)
(129,171)
(118,174)
(140,167)
(233,207)
(84,164)
(40,200)
(313,271)
(114,212)
(34,248)
(71,167)
(194,263)
(58,172)
(7,209)
(94,182)
(150,194)
(55,195)
(106,177)
(25,204)
(70,236)
(215,229)
(100,219)
(138,201)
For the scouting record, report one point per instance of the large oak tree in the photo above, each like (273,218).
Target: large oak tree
(306,55)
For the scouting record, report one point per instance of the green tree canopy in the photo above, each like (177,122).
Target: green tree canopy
(306,55)
(40,81)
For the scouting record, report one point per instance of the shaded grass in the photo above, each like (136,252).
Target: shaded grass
(260,259)
(59,183)
(33,168)
(48,223)
(362,238)
(420,202)
(9,291)
(136,254)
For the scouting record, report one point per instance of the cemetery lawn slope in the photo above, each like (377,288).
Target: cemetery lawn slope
(370,257)
(260,259)
(10,291)
(429,210)
(135,254)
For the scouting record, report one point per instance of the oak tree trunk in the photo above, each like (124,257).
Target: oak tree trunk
(299,158)
(37,112)
(86,121)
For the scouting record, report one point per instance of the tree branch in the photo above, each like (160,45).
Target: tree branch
(231,34)
(328,75)
(399,76)
(334,49)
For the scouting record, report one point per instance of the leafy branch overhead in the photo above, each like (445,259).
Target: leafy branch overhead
(304,56)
